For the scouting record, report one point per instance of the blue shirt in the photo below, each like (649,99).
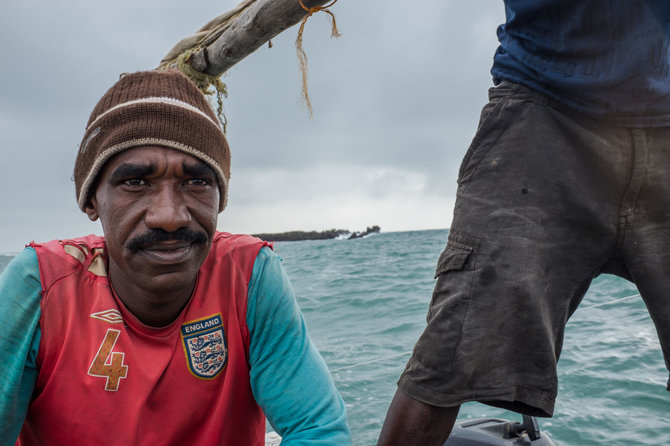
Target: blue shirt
(604,58)
(289,379)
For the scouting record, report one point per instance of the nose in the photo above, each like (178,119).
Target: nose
(167,211)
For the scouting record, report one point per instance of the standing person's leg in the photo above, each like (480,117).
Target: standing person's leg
(412,422)
(535,220)
(645,228)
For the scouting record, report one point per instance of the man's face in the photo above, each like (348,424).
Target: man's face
(158,208)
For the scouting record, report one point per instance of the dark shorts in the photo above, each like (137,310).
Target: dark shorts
(547,200)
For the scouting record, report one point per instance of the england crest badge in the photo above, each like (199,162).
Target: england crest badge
(205,346)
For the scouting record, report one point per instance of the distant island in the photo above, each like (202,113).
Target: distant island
(295,236)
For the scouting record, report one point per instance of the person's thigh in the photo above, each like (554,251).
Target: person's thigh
(646,231)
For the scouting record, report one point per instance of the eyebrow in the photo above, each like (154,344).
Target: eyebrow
(128,170)
(199,169)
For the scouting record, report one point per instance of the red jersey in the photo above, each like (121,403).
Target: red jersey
(106,378)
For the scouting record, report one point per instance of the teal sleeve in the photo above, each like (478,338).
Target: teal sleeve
(289,378)
(20,294)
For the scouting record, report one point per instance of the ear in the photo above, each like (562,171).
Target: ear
(91,209)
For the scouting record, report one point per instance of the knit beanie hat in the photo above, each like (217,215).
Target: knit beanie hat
(158,108)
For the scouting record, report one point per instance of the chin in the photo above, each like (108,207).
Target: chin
(169,282)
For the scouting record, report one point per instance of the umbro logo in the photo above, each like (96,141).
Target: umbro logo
(111,316)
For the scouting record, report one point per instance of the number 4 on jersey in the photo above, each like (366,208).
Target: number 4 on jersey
(108,364)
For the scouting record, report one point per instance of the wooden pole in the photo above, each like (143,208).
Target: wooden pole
(255,23)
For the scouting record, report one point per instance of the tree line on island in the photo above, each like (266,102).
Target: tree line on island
(294,236)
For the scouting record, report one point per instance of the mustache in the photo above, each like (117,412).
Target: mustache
(155,236)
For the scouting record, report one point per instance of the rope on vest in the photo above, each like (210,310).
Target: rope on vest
(302,56)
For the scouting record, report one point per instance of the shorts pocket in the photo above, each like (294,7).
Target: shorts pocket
(494,120)
(454,257)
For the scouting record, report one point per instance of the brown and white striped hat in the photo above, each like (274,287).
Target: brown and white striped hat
(158,108)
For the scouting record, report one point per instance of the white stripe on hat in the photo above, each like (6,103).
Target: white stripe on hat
(157,100)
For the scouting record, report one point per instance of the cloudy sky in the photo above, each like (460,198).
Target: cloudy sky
(396,101)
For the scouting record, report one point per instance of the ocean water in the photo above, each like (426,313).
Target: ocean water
(365,303)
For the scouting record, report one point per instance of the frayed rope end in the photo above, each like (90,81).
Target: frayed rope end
(203,81)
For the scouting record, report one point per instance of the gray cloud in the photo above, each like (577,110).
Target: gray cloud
(396,101)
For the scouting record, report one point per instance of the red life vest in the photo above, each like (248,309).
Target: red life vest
(106,378)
